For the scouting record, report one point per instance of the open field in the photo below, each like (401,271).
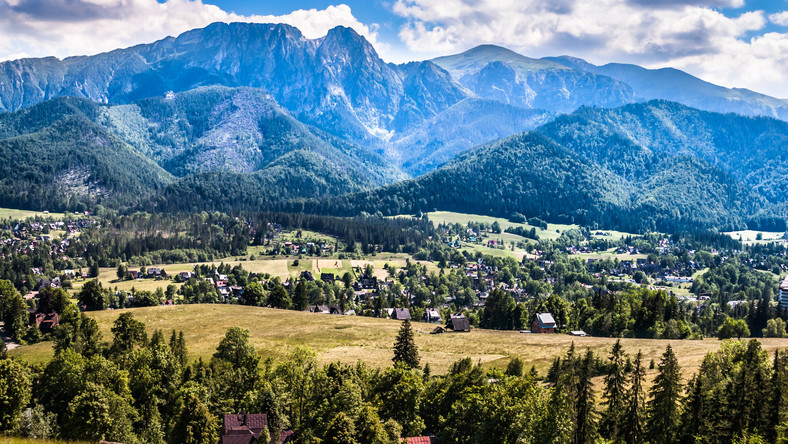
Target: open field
(350,339)
(283,268)
(610,254)
(496,252)
(750,237)
(552,231)
(9,213)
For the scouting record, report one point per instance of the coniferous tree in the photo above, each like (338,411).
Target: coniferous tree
(705,408)
(665,394)
(405,349)
(194,424)
(776,428)
(516,367)
(749,388)
(586,415)
(122,272)
(614,392)
(631,426)
(178,347)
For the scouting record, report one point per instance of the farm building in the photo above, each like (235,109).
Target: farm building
(459,323)
(543,323)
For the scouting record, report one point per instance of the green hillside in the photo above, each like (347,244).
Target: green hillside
(657,165)
(53,156)
(210,148)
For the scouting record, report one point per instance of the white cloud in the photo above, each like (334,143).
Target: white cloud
(37,28)
(654,33)
(780,18)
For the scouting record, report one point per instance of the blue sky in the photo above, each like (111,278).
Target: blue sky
(735,43)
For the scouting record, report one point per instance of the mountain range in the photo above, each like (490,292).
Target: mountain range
(253,115)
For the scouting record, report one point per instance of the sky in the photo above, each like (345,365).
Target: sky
(734,43)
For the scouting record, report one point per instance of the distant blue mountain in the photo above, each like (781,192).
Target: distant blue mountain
(496,73)
(678,86)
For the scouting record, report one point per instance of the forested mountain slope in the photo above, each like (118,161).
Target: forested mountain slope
(642,166)
(53,156)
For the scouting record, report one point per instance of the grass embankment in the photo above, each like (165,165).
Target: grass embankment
(350,339)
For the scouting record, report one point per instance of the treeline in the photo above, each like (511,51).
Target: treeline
(369,232)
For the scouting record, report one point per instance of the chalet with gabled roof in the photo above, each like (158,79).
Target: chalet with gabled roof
(243,428)
(432,315)
(458,322)
(543,323)
(401,314)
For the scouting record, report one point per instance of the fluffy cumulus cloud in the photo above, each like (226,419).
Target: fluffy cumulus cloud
(780,18)
(696,37)
(36,28)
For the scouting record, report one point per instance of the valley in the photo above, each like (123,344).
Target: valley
(250,223)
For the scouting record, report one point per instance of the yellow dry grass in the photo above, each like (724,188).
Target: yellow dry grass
(349,339)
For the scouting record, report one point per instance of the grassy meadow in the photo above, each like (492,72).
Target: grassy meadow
(553,231)
(284,268)
(9,213)
(349,339)
(750,237)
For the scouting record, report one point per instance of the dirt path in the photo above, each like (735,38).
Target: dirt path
(9,344)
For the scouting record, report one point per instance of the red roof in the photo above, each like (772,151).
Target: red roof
(417,440)
(243,428)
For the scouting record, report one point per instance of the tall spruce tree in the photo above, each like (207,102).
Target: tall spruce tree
(776,431)
(695,418)
(663,407)
(586,415)
(568,384)
(405,350)
(750,388)
(614,392)
(631,426)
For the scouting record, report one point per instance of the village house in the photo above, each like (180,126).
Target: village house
(433,315)
(319,309)
(458,322)
(543,323)
(46,322)
(400,314)
(247,428)
(155,272)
